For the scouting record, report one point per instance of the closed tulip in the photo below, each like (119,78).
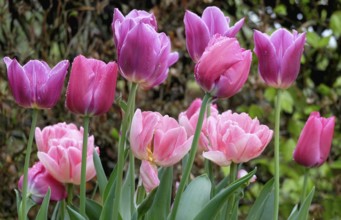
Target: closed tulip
(144,55)
(199,31)
(223,68)
(91,88)
(235,138)
(39,181)
(60,151)
(158,139)
(279,56)
(36,85)
(315,141)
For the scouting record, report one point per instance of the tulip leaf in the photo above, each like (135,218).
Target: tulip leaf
(212,208)
(263,206)
(29,203)
(42,213)
(74,215)
(101,177)
(144,205)
(335,23)
(287,103)
(108,197)
(194,198)
(303,211)
(55,211)
(93,209)
(18,199)
(162,201)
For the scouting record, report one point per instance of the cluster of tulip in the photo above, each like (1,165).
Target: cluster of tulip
(68,155)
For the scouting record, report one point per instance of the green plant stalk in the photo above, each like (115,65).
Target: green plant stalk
(69,188)
(189,164)
(232,199)
(277,171)
(62,209)
(209,170)
(83,168)
(121,143)
(132,179)
(27,163)
(305,183)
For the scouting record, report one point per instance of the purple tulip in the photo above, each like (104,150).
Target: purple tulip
(144,55)
(223,68)
(91,88)
(39,181)
(315,141)
(279,56)
(199,31)
(36,85)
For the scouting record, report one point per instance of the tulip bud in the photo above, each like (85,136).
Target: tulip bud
(91,88)
(223,68)
(36,85)
(39,181)
(242,173)
(315,141)
(279,56)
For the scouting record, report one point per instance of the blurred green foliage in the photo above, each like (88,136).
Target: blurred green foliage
(61,29)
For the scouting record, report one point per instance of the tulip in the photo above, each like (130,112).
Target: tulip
(60,151)
(91,88)
(149,175)
(189,119)
(315,141)
(223,68)
(235,138)
(39,181)
(279,56)
(158,139)
(199,31)
(36,85)
(144,56)
(242,173)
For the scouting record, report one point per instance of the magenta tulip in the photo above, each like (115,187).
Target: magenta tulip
(36,85)
(39,181)
(144,56)
(60,151)
(315,141)
(279,56)
(158,139)
(91,88)
(199,31)
(223,68)
(235,138)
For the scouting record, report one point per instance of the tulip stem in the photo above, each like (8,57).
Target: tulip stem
(121,144)
(209,170)
(277,174)
(231,203)
(27,162)
(305,183)
(189,163)
(69,193)
(83,168)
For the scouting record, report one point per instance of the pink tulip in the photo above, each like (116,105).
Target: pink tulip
(235,138)
(149,175)
(144,56)
(60,151)
(92,84)
(199,31)
(223,68)
(39,181)
(279,56)
(315,141)
(36,85)
(158,139)
(242,173)
(189,119)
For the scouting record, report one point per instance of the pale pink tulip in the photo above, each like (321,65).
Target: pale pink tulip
(149,175)
(242,173)
(60,151)
(315,141)
(235,138)
(39,181)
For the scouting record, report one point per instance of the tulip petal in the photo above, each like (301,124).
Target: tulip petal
(215,20)
(281,39)
(232,31)
(327,138)
(217,157)
(149,176)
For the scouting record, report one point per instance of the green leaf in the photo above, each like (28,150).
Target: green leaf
(18,199)
(101,177)
(302,212)
(336,165)
(108,197)
(255,111)
(270,94)
(29,204)
(55,211)
(263,208)
(280,9)
(335,23)
(287,102)
(194,198)
(74,215)
(162,201)
(145,205)
(93,209)
(216,203)
(42,214)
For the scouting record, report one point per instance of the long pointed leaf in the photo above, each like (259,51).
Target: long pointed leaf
(145,205)
(101,177)
(93,209)
(74,215)
(303,211)
(42,214)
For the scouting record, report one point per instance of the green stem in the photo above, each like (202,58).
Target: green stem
(192,153)
(69,188)
(83,168)
(305,183)
(232,200)
(209,170)
(62,210)
(132,180)
(277,174)
(121,144)
(27,163)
